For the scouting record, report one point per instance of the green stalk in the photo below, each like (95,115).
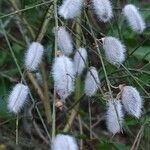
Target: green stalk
(17,132)
(55,53)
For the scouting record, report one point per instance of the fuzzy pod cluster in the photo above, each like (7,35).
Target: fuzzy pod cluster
(64,68)
(72,8)
(130,102)
(104,12)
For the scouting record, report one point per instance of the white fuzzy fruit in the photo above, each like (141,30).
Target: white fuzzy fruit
(64,41)
(134,18)
(70,8)
(63,74)
(114,116)
(17,98)
(92,82)
(132,101)
(64,142)
(34,56)
(80,60)
(103,9)
(114,50)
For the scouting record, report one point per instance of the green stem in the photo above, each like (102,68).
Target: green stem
(47,18)
(17,125)
(46,93)
(55,53)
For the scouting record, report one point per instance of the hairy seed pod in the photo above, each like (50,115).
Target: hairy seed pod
(114,50)
(17,98)
(34,56)
(63,74)
(64,41)
(70,9)
(92,82)
(132,101)
(80,60)
(64,142)
(134,18)
(114,116)
(103,9)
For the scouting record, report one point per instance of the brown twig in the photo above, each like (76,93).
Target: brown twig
(136,142)
(81,132)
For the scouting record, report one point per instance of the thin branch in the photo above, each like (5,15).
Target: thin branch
(55,54)
(137,139)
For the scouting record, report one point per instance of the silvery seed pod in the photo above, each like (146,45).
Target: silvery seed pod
(17,97)
(114,116)
(132,101)
(134,18)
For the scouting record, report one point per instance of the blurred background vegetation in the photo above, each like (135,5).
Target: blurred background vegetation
(18,29)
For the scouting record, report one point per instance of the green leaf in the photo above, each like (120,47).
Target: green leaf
(112,146)
(143,53)
(121,146)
